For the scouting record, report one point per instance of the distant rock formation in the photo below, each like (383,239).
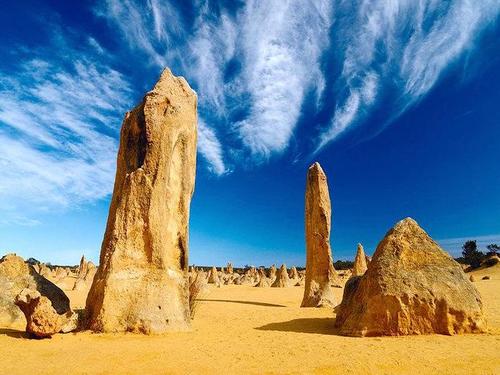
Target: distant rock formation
(42,320)
(16,275)
(411,287)
(360,266)
(282,279)
(141,284)
(263,282)
(294,275)
(213,276)
(320,274)
(272,273)
(82,268)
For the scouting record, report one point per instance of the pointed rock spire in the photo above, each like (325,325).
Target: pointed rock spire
(320,273)
(360,266)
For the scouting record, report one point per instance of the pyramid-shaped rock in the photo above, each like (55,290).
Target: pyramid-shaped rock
(360,266)
(282,280)
(411,287)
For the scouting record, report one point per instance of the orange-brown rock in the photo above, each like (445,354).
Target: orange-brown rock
(282,279)
(141,284)
(16,275)
(411,287)
(42,320)
(360,266)
(320,273)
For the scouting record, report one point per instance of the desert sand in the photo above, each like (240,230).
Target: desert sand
(242,329)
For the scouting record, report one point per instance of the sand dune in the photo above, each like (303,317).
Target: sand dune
(241,329)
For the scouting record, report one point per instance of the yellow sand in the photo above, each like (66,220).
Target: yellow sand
(241,329)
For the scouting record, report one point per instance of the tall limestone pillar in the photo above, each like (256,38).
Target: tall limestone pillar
(319,264)
(141,283)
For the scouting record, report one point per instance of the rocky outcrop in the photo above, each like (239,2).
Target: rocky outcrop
(16,275)
(42,320)
(411,287)
(320,274)
(282,280)
(272,273)
(141,284)
(263,282)
(294,275)
(360,266)
(213,277)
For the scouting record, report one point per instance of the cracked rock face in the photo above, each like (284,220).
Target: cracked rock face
(42,320)
(411,287)
(141,281)
(320,274)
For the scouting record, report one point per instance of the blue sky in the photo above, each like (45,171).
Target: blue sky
(398,100)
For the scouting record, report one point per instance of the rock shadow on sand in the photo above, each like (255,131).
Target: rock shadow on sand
(243,302)
(320,326)
(14,333)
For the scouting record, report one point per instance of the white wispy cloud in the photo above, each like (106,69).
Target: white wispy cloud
(210,147)
(401,45)
(60,118)
(282,45)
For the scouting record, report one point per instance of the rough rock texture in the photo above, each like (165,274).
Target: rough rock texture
(293,273)
(282,279)
(411,287)
(83,267)
(16,275)
(320,274)
(42,320)
(229,268)
(360,266)
(141,284)
(368,259)
(263,280)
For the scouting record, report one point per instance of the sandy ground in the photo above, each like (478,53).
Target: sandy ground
(240,330)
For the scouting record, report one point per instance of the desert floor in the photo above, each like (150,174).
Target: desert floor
(239,329)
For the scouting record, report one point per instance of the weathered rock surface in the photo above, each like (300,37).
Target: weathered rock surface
(320,274)
(294,275)
(213,277)
(411,287)
(16,275)
(272,273)
(282,280)
(42,320)
(360,266)
(263,282)
(141,284)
